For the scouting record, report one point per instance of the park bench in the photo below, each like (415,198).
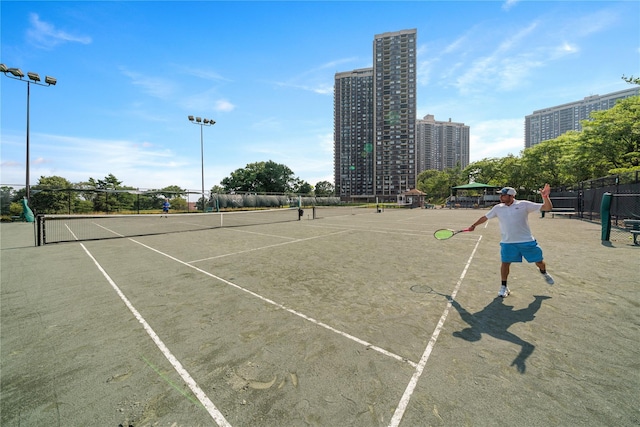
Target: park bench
(634,228)
(560,211)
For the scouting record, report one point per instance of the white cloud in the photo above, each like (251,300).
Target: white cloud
(268,123)
(203,74)
(496,138)
(508,4)
(132,162)
(47,36)
(224,105)
(157,87)
(316,79)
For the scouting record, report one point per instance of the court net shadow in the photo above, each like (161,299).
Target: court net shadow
(495,320)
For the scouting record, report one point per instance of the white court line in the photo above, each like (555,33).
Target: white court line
(263,247)
(72,233)
(202,397)
(404,401)
(237,230)
(297,313)
(110,231)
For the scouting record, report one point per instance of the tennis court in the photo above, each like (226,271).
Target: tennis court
(340,321)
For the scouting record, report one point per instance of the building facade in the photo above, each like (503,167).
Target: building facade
(441,145)
(550,123)
(353,134)
(394,84)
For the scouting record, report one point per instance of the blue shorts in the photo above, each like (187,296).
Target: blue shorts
(513,252)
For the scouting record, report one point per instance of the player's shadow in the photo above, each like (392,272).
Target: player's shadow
(495,320)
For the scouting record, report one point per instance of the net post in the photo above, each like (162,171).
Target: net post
(39,229)
(605,216)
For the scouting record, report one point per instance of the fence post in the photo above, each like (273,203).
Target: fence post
(605,216)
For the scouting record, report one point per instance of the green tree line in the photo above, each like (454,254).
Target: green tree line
(55,194)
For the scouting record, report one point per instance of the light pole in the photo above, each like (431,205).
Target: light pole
(202,122)
(17,74)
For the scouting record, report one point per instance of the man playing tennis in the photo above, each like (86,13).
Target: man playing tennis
(517,240)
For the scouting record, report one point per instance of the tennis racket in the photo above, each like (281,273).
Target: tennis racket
(446,233)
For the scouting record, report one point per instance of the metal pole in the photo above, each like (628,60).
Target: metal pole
(27,179)
(202,159)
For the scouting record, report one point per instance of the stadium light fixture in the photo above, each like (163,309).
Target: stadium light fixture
(34,78)
(202,123)
(17,72)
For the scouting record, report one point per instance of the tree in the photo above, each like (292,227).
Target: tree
(324,189)
(487,171)
(437,184)
(611,140)
(175,194)
(302,187)
(5,199)
(53,194)
(109,195)
(261,177)
(542,163)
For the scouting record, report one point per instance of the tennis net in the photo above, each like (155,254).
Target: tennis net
(331,211)
(70,228)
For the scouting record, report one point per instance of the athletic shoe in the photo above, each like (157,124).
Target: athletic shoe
(504,292)
(548,278)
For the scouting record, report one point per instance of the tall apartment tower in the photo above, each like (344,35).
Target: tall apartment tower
(354,134)
(550,123)
(441,145)
(394,85)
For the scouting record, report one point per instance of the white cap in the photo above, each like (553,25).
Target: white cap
(508,190)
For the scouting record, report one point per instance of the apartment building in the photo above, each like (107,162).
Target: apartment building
(394,69)
(441,145)
(354,134)
(549,123)
(375,153)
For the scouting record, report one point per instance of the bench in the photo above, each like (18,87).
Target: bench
(560,211)
(634,228)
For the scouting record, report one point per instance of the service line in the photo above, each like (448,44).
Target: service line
(283,307)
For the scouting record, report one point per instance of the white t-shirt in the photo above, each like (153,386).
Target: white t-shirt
(514,220)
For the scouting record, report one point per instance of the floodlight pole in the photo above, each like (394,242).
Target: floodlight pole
(202,122)
(34,78)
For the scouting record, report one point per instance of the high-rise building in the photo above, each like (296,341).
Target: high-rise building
(394,84)
(375,155)
(441,145)
(354,133)
(550,123)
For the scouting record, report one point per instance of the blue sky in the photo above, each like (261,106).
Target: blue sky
(129,74)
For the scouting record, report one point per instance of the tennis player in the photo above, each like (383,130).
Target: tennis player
(165,207)
(517,240)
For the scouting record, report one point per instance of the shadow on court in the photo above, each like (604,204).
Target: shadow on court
(495,320)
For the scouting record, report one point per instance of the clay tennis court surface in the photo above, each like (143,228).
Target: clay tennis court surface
(354,320)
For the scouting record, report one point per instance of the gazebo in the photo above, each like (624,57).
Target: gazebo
(412,198)
(487,196)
